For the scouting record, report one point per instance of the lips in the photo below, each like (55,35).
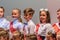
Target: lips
(13,16)
(41,18)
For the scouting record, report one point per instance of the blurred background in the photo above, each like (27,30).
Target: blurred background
(52,5)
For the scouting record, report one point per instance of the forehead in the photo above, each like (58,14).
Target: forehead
(43,12)
(1,9)
(28,13)
(15,10)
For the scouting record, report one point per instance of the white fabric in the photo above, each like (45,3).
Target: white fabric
(58,25)
(31,26)
(44,29)
(4,23)
(18,25)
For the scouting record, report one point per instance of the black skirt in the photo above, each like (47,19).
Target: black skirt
(43,37)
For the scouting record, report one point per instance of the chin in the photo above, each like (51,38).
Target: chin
(0,17)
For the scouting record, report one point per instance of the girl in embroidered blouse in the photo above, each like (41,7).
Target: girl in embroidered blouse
(45,25)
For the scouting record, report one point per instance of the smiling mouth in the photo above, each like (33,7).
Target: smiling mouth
(42,18)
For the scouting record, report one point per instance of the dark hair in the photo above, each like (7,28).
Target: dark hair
(15,32)
(2,8)
(58,10)
(48,16)
(28,10)
(20,19)
(53,35)
(4,33)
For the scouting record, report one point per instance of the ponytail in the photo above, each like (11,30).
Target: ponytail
(20,19)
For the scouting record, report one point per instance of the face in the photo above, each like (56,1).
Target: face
(49,37)
(1,12)
(28,16)
(43,16)
(16,38)
(58,38)
(15,14)
(3,38)
(58,15)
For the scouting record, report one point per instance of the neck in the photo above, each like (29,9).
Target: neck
(43,22)
(28,20)
(1,17)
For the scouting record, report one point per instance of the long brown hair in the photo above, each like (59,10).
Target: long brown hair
(48,16)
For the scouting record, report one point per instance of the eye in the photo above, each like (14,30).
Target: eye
(1,11)
(43,15)
(13,13)
(30,14)
(25,14)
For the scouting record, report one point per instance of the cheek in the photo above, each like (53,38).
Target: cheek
(58,16)
(15,16)
(30,17)
(18,15)
(25,17)
(1,13)
(2,38)
(43,17)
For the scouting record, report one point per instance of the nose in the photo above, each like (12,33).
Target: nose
(27,16)
(41,16)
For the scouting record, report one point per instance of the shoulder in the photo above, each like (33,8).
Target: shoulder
(5,21)
(55,24)
(20,24)
(48,24)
